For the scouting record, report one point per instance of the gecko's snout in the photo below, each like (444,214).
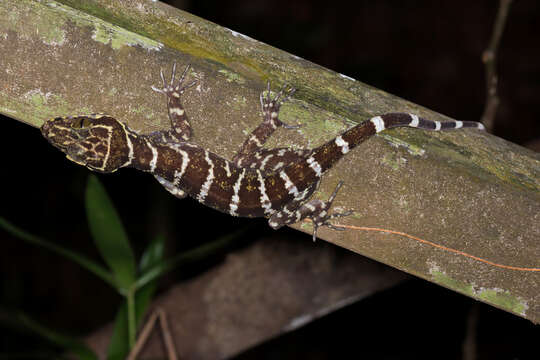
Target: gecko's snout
(45,127)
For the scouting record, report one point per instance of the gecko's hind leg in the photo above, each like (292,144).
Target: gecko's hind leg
(270,108)
(181,130)
(170,187)
(316,210)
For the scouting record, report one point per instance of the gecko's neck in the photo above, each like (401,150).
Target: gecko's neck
(146,153)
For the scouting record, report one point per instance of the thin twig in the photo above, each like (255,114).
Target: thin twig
(143,336)
(489,58)
(167,337)
(157,314)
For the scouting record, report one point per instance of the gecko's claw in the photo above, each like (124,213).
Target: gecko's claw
(321,217)
(173,72)
(162,78)
(184,74)
(169,88)
(184,88)
(157,89)
(179,88)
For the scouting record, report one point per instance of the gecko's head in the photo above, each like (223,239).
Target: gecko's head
(96,141)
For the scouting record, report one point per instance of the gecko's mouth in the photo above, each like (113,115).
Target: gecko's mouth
(46,129)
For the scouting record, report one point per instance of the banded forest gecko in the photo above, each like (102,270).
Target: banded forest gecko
(274,183)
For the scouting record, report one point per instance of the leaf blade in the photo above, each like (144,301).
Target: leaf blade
(109,234)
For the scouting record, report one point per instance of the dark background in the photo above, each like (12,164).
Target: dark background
(425,51)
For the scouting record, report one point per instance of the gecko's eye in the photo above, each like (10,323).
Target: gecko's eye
(81,123)
(86,122)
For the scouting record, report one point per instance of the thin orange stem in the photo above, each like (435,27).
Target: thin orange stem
(458,252)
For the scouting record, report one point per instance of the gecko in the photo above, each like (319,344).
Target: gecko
(258,182)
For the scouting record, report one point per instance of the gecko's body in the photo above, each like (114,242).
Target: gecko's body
(274,183)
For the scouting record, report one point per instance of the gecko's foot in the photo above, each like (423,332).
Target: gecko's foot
(270,106)
(170,89)
(320,215)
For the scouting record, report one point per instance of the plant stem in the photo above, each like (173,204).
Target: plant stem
(131,316)
(83,261)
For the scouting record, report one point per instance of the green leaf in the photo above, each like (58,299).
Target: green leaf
(119,345)
(109,234)
(83,261)
(64,341)
(153,254)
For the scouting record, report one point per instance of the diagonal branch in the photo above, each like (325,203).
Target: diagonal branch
(463,190)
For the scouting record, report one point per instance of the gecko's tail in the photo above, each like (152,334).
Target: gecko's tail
(392,120)
(327,154)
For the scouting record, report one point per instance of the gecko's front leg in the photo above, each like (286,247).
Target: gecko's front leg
(180,128)
(251,153)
